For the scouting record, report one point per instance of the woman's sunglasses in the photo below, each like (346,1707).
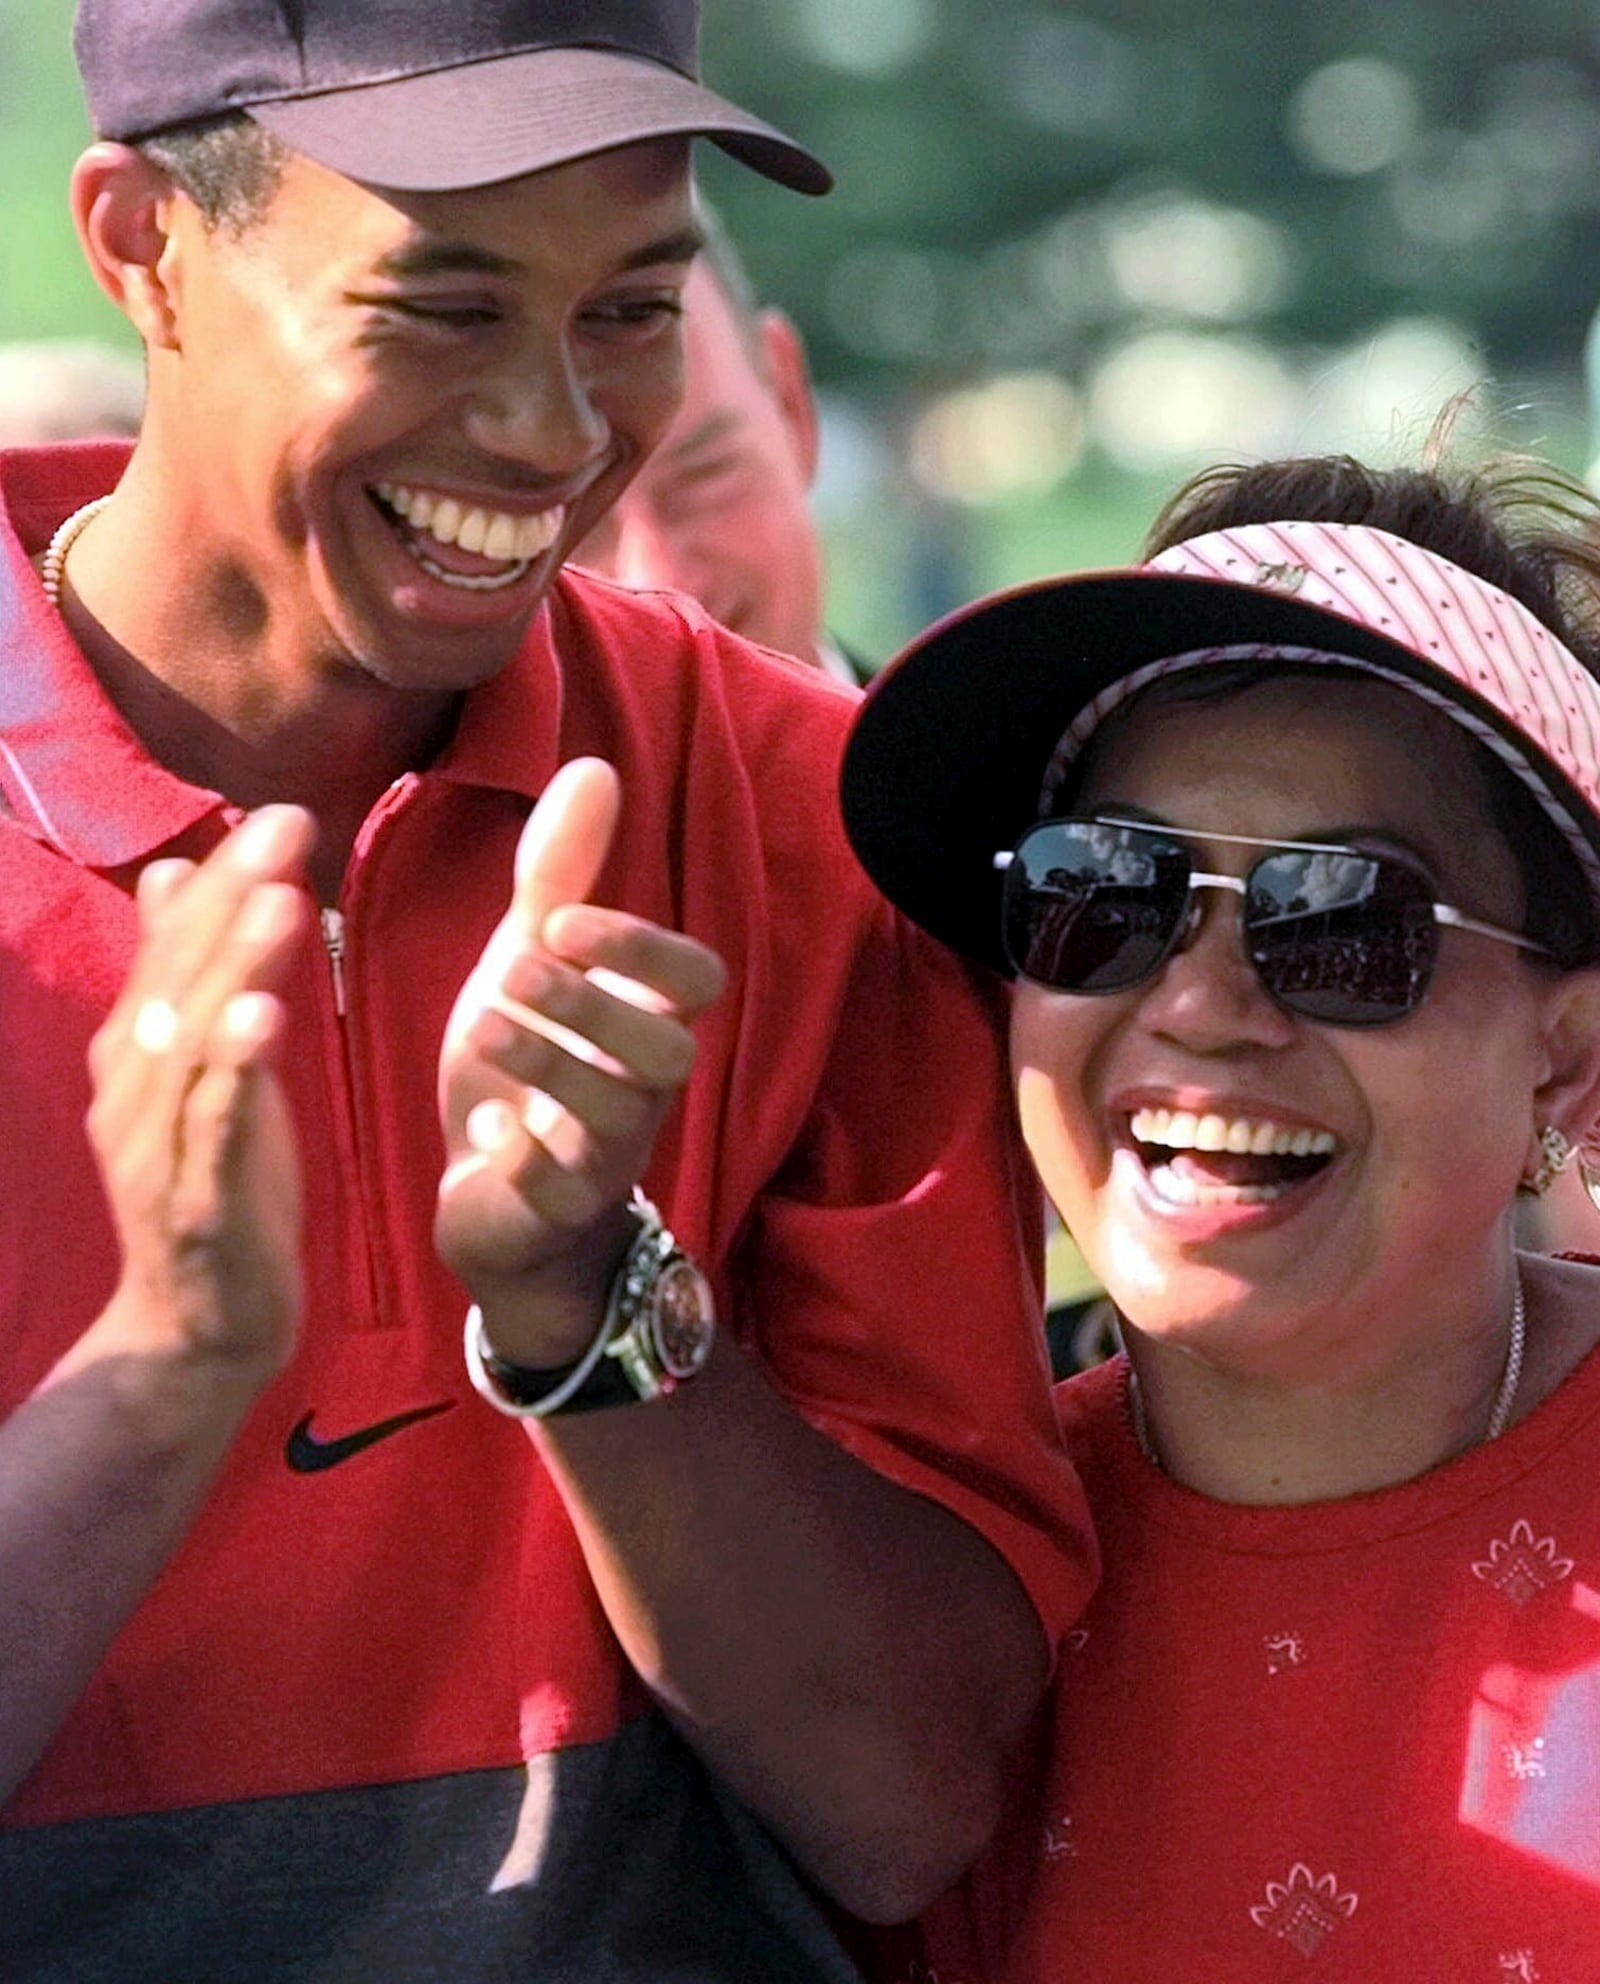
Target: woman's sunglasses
(1335,934)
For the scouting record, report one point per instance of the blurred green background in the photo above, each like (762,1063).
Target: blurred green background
(1077,251)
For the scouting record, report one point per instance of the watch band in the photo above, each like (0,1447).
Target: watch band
(633,1357)
(518,1390)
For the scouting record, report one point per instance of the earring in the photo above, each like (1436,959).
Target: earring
(1555,1153)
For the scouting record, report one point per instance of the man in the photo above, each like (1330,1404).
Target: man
(721,510)
(312,1664)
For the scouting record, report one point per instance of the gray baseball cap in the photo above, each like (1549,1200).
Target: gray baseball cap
(423,95)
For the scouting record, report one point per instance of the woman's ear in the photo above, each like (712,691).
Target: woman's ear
(123,207)
(1568,1094)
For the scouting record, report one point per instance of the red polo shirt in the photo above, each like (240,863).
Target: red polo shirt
(841,1164)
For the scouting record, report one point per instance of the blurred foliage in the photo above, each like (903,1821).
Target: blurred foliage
(982,124)
(1351,211)
(44,288)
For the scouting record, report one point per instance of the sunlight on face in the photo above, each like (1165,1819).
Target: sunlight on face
(513,349)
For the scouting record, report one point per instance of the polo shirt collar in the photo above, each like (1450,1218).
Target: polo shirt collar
(73,773)
(508,735)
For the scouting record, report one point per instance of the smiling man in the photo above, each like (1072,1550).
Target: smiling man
(312,1664)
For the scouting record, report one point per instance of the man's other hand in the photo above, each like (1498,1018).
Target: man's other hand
(188,1122)
(567,1046)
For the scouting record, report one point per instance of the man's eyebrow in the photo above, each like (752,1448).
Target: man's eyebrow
(717,426)
(420,259)
(445,258)
(682,246)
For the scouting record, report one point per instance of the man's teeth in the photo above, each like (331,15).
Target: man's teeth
(497,534)
(1181,1129)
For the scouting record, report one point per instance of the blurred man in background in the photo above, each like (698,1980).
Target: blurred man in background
(721,510)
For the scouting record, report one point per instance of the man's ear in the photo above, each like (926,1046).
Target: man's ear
(123,207)
(789,374)
(1568,1094)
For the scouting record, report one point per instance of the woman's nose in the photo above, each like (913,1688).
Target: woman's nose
(1208,994)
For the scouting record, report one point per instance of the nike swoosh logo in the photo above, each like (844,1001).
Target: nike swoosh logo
(306,1455)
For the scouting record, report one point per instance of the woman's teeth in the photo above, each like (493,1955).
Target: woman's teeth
(512,539)
(1273,1146)
(1178,1189)
(1180,1129)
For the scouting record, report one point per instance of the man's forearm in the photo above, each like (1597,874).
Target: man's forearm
(102,1472)
(856,1662)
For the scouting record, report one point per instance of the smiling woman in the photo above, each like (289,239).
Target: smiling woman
(1291,842)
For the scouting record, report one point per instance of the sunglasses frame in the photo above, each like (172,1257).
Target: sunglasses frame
(1444,914)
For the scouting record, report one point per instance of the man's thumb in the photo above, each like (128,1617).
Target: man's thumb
(564,845)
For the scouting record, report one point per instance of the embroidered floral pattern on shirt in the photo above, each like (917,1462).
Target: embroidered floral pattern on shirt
(1058,1841)
(1303,1910)
(1284,1650)
(1521,1567)
(1518,1968)
(1524,1761)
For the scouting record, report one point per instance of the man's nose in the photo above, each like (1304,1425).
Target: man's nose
(539,413)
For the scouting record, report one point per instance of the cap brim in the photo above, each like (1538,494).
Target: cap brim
(948,755)
(485,122)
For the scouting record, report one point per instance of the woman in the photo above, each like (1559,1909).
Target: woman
(1291,841)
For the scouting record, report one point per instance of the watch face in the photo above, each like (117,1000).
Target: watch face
(682,1318)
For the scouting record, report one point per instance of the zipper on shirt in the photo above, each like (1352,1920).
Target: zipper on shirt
(333,943)
(364,1162)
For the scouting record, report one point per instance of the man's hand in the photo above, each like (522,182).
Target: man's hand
(568,1045)
(188,1122)
(105,1466)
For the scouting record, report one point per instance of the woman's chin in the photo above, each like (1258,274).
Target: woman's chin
(1193,1304)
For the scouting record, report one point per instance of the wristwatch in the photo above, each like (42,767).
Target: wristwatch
(659,1325)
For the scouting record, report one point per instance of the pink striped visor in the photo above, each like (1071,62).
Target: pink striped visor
(949,747)
(1471,636)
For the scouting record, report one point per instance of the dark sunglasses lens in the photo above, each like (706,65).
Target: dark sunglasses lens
(1348,939)
(1092,908)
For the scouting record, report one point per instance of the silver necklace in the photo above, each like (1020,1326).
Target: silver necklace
(1499,1412)
(53,566)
